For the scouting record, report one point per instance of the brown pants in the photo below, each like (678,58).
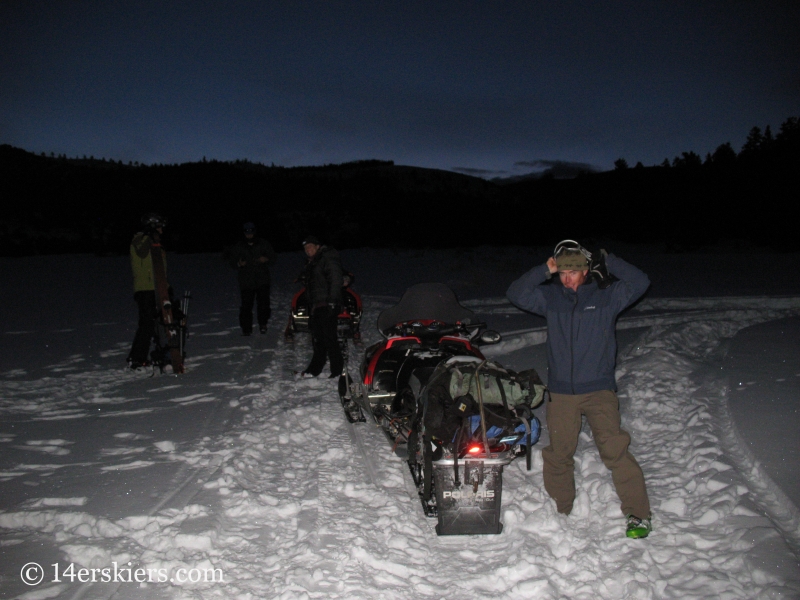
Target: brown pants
(564,424)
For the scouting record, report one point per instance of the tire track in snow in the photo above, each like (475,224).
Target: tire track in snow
(698,498)
(764,491)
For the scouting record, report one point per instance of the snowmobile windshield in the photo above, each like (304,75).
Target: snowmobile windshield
(434,301)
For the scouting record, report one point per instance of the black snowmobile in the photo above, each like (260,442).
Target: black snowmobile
(455,416)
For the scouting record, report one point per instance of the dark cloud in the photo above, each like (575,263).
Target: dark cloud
(479,172)
(560,169)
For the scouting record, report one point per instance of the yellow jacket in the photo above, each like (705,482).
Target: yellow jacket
(142,264)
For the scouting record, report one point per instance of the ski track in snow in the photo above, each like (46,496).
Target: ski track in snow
(294,502)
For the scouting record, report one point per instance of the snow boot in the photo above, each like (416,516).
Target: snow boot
(638,528)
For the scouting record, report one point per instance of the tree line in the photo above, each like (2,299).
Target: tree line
(56,204)
(760,149)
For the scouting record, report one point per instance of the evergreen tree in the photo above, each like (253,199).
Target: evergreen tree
(689,160)
(724,155)
(753,143)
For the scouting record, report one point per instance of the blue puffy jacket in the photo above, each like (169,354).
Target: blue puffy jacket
(581,340)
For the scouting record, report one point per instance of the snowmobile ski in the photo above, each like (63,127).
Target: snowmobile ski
(352,411)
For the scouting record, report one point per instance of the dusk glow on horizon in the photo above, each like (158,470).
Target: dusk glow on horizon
(492,89)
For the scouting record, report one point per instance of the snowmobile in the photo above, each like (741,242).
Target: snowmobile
(349,317)
(456,417)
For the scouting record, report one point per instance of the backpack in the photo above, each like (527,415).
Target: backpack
(452,394)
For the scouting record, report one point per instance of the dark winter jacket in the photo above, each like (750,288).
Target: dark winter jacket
(253,274)
(323,278)
(142,263)
(581,341)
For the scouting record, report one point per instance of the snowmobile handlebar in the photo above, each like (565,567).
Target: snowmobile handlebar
(434,328)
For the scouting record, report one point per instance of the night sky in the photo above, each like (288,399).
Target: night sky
(492,88)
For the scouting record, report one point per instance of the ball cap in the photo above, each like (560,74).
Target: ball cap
(572,260)
(249,227)
(571,256)
(311,239)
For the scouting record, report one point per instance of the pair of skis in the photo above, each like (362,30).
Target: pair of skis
(171,333)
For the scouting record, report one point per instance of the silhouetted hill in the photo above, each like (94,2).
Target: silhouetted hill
(60,204)
(55,204)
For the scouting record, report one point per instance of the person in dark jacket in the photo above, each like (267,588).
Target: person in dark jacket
(581,355)
(323,278)
(253,256)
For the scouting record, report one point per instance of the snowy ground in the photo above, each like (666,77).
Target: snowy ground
(235,466)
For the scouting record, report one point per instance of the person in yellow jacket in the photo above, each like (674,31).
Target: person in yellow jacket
(144,287)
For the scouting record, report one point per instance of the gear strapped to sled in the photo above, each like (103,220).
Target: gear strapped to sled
(498,385)
(453,394)
(476,417)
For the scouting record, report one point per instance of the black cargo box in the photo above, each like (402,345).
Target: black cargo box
(473,507)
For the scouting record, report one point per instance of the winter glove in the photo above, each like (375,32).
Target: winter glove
(530,380)
(599,270)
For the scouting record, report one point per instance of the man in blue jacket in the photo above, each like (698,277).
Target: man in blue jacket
(581,313)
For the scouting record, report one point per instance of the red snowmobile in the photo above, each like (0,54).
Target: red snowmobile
(455,416)
(349,318)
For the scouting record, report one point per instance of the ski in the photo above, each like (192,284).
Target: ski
(428,506)
(288,333)
(169,331)
(351,409)
(183,331)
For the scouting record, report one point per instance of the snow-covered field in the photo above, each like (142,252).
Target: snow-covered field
(236,471)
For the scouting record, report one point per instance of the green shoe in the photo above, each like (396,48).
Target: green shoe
(638,528)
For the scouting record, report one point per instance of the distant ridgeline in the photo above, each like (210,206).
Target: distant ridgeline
(57,204)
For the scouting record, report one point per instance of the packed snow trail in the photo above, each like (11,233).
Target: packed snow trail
(290,501)
(339,533)
(350,536)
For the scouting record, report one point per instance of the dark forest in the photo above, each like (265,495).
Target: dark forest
(55,204)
